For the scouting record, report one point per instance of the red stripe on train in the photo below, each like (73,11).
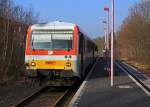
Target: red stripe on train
(29,51)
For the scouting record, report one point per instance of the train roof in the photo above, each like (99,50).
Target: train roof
(86,35)
(54,25)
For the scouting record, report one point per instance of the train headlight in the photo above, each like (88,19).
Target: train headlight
(33,64)
(68,56)
(68,64)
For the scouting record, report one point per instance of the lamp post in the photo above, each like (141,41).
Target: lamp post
(107,37)
(107,40)
(112,46)
(105,31)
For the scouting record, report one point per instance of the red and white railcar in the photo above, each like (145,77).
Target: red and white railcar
(58,49)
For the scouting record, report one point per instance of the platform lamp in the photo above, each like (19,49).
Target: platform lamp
(106,9)
(107,37)
(112,45)
(105,30)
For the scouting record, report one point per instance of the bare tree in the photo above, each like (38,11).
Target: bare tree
(134,38)
(14,21)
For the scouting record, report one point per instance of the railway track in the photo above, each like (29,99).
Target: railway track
(135,76)
(49,96)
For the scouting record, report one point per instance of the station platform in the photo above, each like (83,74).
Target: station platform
(96,91)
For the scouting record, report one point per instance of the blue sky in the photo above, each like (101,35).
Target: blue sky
(88,14)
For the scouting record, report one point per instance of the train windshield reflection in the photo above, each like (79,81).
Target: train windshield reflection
(43,40)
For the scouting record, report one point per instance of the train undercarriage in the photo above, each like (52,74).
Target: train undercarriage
(52,77)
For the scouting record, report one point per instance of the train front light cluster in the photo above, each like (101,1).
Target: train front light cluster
(68,56)
(33,64)
(68,64)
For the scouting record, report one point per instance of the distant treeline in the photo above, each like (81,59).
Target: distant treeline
(133,38)
(14,21)
(100,43)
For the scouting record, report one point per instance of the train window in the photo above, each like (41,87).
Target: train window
(89,46)
(81,40)
(62,41)
(48,40)
(41,41)
(96,48)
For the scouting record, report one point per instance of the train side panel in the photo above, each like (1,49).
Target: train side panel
(86,56)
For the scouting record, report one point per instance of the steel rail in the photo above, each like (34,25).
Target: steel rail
(64,97)
(63,100)
(134,76)
(29,98)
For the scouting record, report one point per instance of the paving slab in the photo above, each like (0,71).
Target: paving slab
(97,92)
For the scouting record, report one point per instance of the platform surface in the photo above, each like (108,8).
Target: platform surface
(98,93)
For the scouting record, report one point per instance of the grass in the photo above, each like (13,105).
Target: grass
(143,68)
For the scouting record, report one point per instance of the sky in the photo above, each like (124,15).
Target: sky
(88,14)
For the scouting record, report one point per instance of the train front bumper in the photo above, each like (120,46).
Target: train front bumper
(58,68)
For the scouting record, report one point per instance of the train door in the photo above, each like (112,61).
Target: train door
(81,52)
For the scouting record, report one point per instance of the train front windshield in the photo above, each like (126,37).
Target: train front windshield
(48,40)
